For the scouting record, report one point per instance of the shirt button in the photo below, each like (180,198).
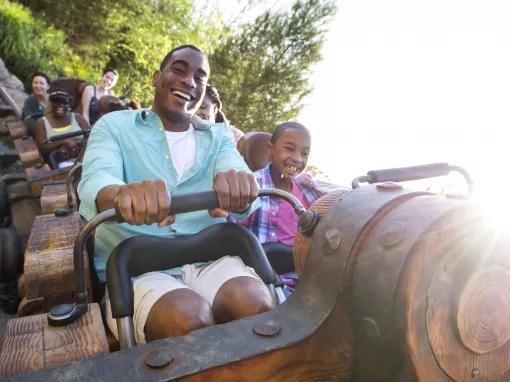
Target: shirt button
(273,213)
(167,157)
(160,129)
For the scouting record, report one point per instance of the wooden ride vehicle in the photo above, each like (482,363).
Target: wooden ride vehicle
(395,285)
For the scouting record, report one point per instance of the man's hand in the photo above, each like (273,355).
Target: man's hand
(146,202)
(236,191)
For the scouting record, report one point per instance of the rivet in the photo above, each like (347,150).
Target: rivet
(389,186)
(333,238)
(267,329)
(392,235)
(157,359)
(475,373)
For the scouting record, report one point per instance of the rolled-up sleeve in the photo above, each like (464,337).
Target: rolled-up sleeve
(102,166)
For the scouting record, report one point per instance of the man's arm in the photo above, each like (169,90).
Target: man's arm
(103,186)
(236,185)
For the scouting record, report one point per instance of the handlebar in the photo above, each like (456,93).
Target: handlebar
(403,174)
(72,134)
(68,313)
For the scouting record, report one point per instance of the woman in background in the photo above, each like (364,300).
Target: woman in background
(92,94)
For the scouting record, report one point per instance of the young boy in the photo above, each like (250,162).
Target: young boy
(276,220)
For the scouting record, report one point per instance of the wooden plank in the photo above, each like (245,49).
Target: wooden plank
(31,344)
(54,196)
(80,340)
(17,129)
(22,350)
(28,151)
(49,266)
(37,181)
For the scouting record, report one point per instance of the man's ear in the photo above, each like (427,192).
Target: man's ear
(155,77)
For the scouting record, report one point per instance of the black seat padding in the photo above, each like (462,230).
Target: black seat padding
(280,256)
(144,254)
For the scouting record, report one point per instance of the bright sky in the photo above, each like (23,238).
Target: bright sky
(407,82)
(412,82)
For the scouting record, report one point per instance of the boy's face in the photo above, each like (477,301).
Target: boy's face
(289,154)
(207,110)
(180,85)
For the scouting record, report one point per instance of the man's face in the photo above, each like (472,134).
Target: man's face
(180,85)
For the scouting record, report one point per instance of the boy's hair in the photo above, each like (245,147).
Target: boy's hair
(280,128)
(169,54)
(106,70)
(40,74)
(214,96)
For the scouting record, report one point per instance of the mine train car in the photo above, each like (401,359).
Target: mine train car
(395,285)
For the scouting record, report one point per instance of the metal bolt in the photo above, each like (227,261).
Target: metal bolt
(333,238)
(267,329)
(389,186)
(475,373)
(157,359)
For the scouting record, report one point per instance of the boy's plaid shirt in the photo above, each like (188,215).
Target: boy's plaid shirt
(263,221)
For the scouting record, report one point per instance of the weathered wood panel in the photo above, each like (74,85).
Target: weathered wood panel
(37,181)
(54,196)
(49,267)
(28,151)
(17,129)
(30,344)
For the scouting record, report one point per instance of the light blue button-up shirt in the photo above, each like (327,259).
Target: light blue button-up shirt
(128,146)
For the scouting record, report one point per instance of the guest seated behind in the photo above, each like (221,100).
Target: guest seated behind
(210,110)
(276,221)
(36,102)
(58,121)
(92,94)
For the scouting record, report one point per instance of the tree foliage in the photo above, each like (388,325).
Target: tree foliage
(129,35)
(28,44)
(262,73)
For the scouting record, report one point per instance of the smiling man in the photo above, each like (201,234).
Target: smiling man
(137,160)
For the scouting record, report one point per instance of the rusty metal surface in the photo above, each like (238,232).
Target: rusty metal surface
(224,344)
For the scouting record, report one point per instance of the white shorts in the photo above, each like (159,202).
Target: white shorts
(205,279)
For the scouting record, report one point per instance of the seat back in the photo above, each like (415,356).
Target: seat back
(255,149)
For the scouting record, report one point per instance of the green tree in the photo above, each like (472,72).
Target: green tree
(262,72)
(130,35)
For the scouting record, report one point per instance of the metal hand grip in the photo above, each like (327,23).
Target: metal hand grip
(403,174)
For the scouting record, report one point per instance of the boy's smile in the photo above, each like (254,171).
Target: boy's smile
(289,153)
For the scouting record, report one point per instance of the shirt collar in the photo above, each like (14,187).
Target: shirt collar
(147,117)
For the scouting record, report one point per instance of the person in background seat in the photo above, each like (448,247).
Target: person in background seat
(58,121)
(92,94)
(36,102)
(210,110)
(276,220)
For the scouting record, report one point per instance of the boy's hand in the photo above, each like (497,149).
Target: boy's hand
(145,202)
(236,191)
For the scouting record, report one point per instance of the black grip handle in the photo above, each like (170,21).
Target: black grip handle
(403,174)
(72,134)
(179,204)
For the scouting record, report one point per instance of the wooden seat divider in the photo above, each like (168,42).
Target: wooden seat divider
(17,129)
(48,266)
(28,151)
(37,178)
(53,196)
(30,344)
